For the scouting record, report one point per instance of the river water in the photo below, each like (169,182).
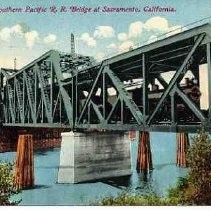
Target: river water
(48,192)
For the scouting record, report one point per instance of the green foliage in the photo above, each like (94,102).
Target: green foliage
(195,188)
(199,177)
(180,194)
(7,184)
(124,199)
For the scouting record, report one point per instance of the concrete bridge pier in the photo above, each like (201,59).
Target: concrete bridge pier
(144,159)
(182,148)
(94,156)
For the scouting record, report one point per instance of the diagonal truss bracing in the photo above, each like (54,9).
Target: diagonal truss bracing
(129,91)
(178,75)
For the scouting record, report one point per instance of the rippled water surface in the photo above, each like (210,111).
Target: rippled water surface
(48,192)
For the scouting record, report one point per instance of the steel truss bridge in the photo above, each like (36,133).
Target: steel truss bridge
(120,93)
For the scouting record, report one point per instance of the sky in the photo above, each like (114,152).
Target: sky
(27,35)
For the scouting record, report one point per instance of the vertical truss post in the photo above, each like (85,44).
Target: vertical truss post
(35,93)
(122,110)
(173,108)
(23,99)
(89,109)
(105,96)
(145,89)
(76,97)
(51,90)
(60,107)
(42,109)
(209,78)
(14,98)
(73,98)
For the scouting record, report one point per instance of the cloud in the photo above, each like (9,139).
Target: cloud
(157,24)
(7,33)
(104,32)
(152,38)
(16,29)
(126,46)
(135,29)
(90,41)
(112,46)
(122,37)
(50,38)
(31,37)
(100,56)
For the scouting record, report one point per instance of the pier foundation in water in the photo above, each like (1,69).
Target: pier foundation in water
(144,159)
(182,148)
(93,156)
(24,164)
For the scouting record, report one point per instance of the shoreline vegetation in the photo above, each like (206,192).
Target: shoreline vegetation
(8,187)
(193,189)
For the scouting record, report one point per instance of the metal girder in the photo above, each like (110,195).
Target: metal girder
(164,42)
(145,88)
(11,102)
(163,65)
(57,100)
(29,96)
(44,93)
(177,76)
(19,95)
(30,65)
(62,99)
(91,92)
(105,95)
(55,58)
(172,108)
(165,53)
(125,96)
(97,111)
(162,81)
(112,110)
(190,104)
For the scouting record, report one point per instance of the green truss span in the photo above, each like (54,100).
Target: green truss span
(147,88)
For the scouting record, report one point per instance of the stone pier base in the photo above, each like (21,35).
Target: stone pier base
(93,156)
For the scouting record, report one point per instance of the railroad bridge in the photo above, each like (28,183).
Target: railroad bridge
(155,87)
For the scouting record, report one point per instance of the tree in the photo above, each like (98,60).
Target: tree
(199,176)
(7,184)
(195,188)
